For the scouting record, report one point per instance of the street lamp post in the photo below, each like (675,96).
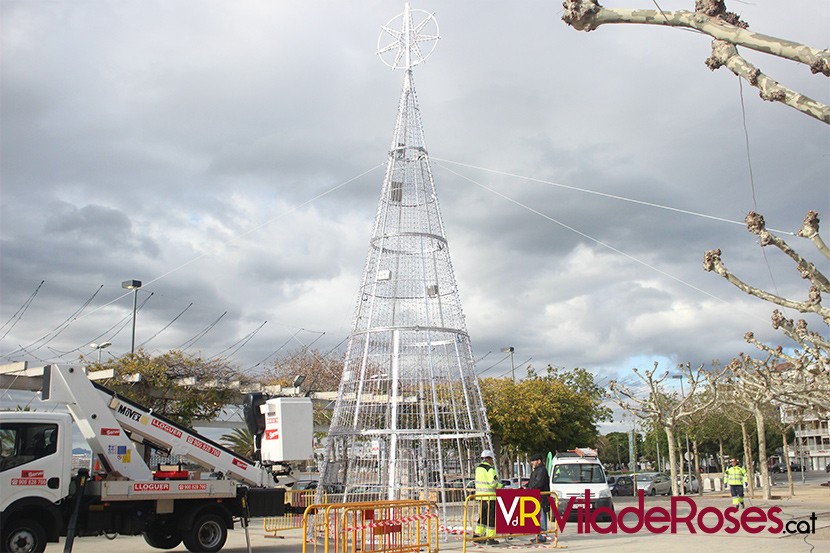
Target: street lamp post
(133,285)
(510,350)
(99,347)
(687,455)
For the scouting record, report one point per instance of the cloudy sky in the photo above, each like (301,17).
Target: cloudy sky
(229,155)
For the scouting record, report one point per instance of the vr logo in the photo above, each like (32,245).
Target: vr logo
(518,511)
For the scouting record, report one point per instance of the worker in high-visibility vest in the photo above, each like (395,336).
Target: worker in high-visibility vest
(736,480)
(487,482)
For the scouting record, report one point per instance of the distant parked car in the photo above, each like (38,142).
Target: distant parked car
(368,492)
(305,485)
(643,479)
(460,488)
(690,484)
(461,483)
(621,485)
(778,468)
(660,484)
(516,482)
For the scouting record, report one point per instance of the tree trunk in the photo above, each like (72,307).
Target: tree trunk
(720,460)
(659,464)
(760,424)
(672,458)
(497,449)
(681,490)
(787,463)
(697,471)
(748,459)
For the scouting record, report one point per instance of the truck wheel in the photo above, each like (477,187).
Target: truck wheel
(208,534)
(23,536)
(162,537)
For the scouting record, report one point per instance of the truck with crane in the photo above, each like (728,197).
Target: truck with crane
(42,500)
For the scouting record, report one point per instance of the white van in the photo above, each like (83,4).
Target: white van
(571,474)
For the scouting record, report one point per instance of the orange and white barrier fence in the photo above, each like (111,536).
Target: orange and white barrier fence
(371,527)
(295,505)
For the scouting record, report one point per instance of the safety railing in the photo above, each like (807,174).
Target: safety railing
(478,513)
(295,505)
(371,527)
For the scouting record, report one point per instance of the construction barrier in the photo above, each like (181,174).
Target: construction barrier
(474,511)
(295,505)
(371,527)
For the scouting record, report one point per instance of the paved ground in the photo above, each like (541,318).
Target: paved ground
(811,498)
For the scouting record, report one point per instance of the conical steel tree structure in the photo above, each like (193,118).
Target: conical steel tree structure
(409,418)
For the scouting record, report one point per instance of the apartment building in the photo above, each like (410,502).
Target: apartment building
(811,446)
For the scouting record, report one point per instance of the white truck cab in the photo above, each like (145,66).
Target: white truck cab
(35,457)
(572,474)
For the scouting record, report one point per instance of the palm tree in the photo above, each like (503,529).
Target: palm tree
(239,440)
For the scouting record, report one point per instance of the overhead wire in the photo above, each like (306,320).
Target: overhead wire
(494,364)
(51,335)
(17,315)
(241,342)
(273,353)
(343,341)
(584,235)
(33,354)
(120,325)
(201,334)
(752,178)
(189,343)
(77,314)
(301,351)
(603,194)
(165,327)
(325,355)
(748,158)
(513,369)
(294,337)
(666,19)
(236,237)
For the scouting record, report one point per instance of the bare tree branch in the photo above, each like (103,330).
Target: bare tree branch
(755,223)
(810,229)
(711,18)
(798,377)
(724,54)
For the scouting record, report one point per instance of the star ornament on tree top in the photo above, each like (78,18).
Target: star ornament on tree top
(412,44)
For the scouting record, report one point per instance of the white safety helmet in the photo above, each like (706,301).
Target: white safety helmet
(487,453)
